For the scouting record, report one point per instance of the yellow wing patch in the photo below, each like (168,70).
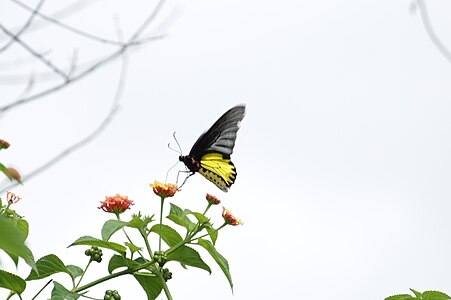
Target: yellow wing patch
(218,170)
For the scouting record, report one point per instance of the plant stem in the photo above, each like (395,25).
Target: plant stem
(84,272)
(108,277)
(161,223)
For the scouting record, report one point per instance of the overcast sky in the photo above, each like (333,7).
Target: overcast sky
(343,156)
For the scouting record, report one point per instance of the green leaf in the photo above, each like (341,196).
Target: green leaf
(133,248)
(59,292)
(12,282)
(13,257)
(22,225)
(150,284)
(46,266)
(169,235)
(5,171)
(200,217)
(118,261)
(220,260)
(417,294)
(178,216)
(400,297)
(435,295)
(91,241)
(110,227)
(188,256)
(74,271)
(213,233)
(140,222)
(12,240)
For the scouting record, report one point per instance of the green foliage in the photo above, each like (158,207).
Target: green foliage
(90,241)
(110,227)
(179,217)
(169,235)
(220,260)
(427,295)
(12,282)
(151,284)
(12,239)
(59,292)
(46,266)
(151,269)
(188,256)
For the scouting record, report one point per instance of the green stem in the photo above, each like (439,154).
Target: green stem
(157,269)
(165,286)
(111,276)
(208,207)
(128,238)
(199,237)
(161,223)
(6,208)
(84,272)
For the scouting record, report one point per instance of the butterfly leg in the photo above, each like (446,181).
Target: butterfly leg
(186,178)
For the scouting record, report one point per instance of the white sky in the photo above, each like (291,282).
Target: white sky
(343,157)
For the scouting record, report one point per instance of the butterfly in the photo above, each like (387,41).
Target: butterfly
(210,154)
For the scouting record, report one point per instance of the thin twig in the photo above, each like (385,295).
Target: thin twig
(39,56)
(114,108)
(430,31)
(71,28)
(94,67)
(24,27)
(64,12)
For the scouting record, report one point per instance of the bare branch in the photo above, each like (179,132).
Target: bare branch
(39,56)
(70,28)
(66,11)
(113,110)
(131,42)
(430,31)
(24,27)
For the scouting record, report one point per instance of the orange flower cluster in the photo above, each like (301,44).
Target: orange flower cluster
(164,190)
(212,199)
(116,204)
(229,218)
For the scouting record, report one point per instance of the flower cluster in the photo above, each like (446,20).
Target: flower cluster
(116,204)
(164,190)
(212,199)
(12,198)
(229,218)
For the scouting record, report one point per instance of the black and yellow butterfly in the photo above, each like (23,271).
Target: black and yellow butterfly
(210,154)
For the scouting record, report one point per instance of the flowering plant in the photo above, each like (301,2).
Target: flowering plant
(148,264)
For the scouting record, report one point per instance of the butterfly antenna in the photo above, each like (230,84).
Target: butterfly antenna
(167,173)
(180,148)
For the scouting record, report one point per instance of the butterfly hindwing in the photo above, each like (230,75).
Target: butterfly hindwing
(219,170)
(210,154)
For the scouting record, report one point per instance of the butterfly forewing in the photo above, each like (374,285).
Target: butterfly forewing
(221,136)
